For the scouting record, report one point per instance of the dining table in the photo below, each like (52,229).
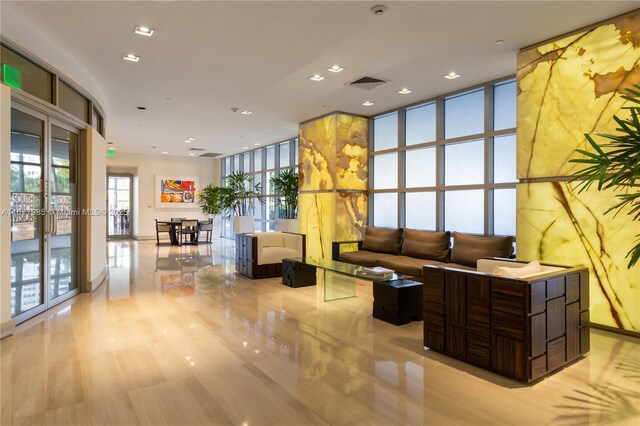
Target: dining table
(173,234)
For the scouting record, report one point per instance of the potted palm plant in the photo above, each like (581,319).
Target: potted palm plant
(211,201)
(615,165)
(239,198)
(285,187)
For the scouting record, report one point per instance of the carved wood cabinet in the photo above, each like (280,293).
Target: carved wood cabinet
(520,328)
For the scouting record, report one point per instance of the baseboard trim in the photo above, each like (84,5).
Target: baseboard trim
(144,237)
(95,284)
(7,328)
(615,330)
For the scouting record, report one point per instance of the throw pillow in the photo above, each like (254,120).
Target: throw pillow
(382,240)
(426,245)
(467,248)
(530,268)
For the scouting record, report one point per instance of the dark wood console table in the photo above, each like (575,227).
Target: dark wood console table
(520,328)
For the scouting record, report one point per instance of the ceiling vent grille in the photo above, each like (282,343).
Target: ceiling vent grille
(197,149)
(211,154)
(368,83)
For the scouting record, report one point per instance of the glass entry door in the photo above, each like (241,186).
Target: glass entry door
(119,192)
(43,213)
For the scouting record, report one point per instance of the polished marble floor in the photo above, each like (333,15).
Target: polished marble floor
(176,337)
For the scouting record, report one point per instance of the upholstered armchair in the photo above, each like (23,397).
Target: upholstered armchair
(260,254)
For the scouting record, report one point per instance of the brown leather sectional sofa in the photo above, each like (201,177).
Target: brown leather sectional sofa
(407,251)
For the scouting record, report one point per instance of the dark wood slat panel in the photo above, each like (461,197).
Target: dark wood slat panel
(555,318)
(509,288)
(584,291)
(456,342)
(585,340)
(538,334)
(507,357)
(584,318)
(478,288)
(478,355)
(434,316)
(556,354)
(508,305)
(433,340)
(555,287)
(478,317)
(455,307)
(572,322)
(538,296)
(538,367)
(573,288)
(433,289)
(507,324)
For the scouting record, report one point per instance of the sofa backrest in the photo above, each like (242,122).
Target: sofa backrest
(382,240)
(426,245)
(467,248)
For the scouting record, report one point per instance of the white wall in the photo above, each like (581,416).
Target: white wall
(145,168)
(5,219)
(97,196)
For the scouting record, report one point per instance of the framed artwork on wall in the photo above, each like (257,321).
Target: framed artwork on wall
(176,192)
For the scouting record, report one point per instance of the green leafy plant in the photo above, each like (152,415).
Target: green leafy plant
(616,165)
(285,186)
(240,194)
(210,199)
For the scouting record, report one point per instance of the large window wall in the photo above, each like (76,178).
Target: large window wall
(262,164)
(448,163)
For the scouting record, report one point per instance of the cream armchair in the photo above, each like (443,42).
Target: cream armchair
(260,254)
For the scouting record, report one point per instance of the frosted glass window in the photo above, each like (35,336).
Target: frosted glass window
(227,165)
(420,208)
(504,159)
(246,162)
(421,124)
(257,159)
(420,167)
(464,211)
(295,152)
(236,163)
(504,211)
(504,106)
(385,171)
(385,210)
(284,155)
(271,157)
(464,115)
(464,163)
(385,132)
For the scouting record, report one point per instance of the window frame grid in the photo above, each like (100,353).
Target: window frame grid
(487,186)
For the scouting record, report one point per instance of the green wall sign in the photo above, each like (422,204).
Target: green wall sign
(11,76)
(111,153)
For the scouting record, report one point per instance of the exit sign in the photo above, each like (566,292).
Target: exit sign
(11,76)
(111,153)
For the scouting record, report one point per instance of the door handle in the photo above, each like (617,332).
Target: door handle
(54,220)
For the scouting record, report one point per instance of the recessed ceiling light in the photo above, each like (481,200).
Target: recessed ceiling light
(404,91)
(187,141)
(257,144)
(499,41)
(165,152)
(191,139)
(191,154)
(335,68)
(245,147)
(316,77)
(367,103)
(452,75)
(131,57)
(142,30)
(245,112)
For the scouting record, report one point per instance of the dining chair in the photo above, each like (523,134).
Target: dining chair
(189,227)
(162,227)
(208,228)
(177,219)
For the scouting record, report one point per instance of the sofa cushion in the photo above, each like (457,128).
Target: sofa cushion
(407,265)
(275,255)
(426,245)
(361,257)
(382,240)
(467,249)
(270,239)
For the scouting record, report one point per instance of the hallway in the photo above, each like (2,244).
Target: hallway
(176,337)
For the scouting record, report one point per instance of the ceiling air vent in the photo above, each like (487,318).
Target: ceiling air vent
(197,149)
(367,83)
(211,154)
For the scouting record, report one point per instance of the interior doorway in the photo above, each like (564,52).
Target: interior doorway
(119,203)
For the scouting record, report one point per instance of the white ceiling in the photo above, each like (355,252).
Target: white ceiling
(208,56)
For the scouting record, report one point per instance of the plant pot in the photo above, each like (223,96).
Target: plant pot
(287,225)
(243,224)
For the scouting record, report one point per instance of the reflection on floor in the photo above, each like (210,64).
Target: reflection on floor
(176,337)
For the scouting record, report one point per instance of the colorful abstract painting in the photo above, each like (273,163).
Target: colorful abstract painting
(176,192)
